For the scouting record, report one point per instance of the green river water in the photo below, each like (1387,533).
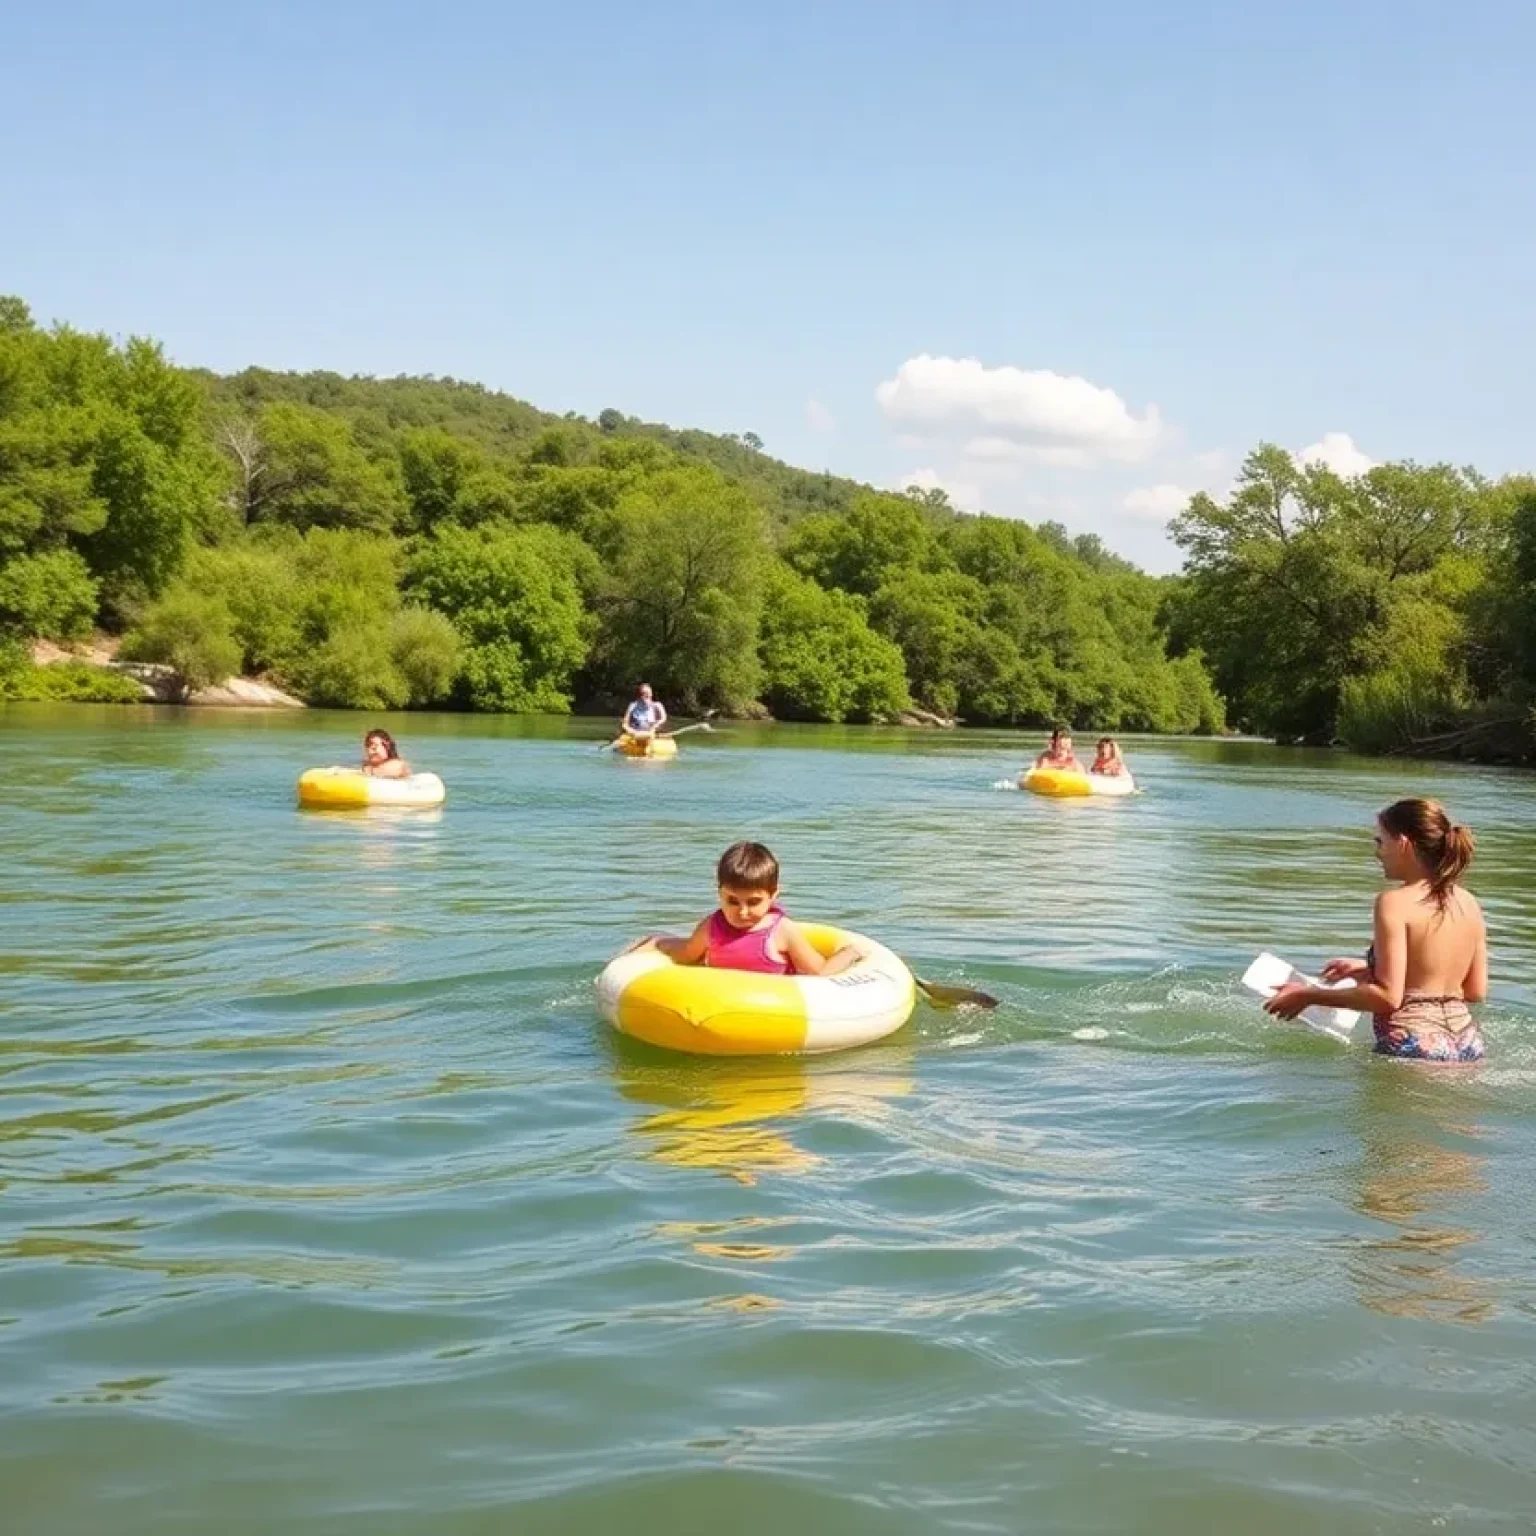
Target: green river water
(327,1204)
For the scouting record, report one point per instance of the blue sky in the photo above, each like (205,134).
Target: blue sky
(1070,261)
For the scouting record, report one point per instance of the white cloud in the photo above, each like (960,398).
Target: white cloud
(1336,451)
(1157,502)
(995,450)
(962,493)
(1042,417)
(1004,450)
(818,418)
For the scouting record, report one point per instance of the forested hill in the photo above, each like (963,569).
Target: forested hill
(381,543)
(506,427)
(422,542)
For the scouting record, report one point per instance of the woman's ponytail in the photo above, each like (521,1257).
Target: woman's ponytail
(1460,845)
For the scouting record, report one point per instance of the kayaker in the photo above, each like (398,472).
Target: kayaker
(645,715)
(1059,754)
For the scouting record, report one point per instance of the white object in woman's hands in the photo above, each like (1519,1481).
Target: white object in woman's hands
(1269,973)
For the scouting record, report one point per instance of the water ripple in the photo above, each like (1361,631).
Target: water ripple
(326,1202)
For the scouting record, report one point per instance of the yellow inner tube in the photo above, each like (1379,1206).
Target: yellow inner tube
(342,789)
(745,1013)
(1061,782)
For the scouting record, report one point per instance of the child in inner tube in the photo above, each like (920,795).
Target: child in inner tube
(1108,761)
(750,932)
(381,757)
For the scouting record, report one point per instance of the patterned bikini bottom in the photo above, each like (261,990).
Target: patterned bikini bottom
(1428,1028)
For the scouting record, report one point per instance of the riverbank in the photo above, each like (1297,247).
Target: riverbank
(155,683)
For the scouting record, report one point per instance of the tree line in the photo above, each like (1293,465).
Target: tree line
(1393,611)
(414,542)
(423,542)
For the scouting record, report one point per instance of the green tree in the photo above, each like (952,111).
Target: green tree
(855,551)
(514,595)
(1291,581)
(449,480)
(427,652)
(316,475)
(685,589)
(101,451)
(355,667)
(820,659)
(935,619)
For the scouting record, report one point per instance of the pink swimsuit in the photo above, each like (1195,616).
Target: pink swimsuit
(732,950)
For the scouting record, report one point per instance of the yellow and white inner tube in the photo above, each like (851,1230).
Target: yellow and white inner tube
(745,1013)
(341,789)
(1065,784)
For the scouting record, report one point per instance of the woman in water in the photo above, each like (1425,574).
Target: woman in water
(381,758)
(1108,760)
(1059,754)
(1429,955)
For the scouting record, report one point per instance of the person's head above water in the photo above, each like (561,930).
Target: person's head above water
(644,692)
(379,747)
(748,877)
(1061,742)
(1416,840)
(1108,747)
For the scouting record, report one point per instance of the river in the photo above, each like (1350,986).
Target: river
(328,1205)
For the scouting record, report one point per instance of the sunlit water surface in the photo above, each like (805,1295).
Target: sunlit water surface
(328,1205)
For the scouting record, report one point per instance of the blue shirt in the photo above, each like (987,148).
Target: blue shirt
(642,716)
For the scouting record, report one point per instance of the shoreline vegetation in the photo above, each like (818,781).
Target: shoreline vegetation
(279,539)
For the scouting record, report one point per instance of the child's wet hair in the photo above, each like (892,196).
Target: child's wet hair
(747,867)
(386,738)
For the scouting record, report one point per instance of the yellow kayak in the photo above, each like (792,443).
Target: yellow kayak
(657,746)
(342,789)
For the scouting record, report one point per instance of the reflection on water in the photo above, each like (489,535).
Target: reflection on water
(736,1116)
(1421,1165)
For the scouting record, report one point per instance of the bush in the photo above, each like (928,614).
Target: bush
(1200,708)
(426,651)
(354,668)
(258,581)
(52,595)
(190,632)
(1388,711)
(75,681)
